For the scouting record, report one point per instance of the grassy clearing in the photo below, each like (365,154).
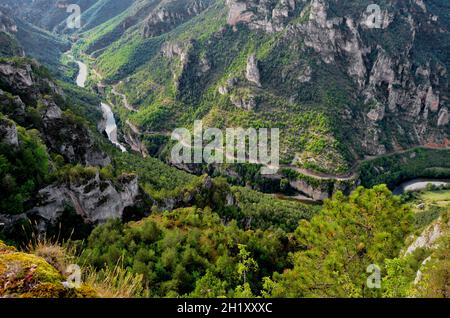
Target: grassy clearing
(428,205)
(440,198)
(428,199)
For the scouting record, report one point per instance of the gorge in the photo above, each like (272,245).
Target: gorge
(86,174)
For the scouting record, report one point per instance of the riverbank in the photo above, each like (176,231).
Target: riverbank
(109,122)
(111,126)
(418,185)
(82,74)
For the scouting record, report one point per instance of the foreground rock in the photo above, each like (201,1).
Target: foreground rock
(25,275)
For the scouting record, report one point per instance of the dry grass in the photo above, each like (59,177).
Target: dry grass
(108,283)
(114,283)
(58,255)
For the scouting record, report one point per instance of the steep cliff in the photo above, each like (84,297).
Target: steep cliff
(342,83)
(43,139)
(31,99)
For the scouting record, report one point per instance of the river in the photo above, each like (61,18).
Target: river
(418,184)
(111,126)
(108,116)
(111,130)
(82,74)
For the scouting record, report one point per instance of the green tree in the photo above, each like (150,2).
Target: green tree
(335,248)
(209,286)
(397,280)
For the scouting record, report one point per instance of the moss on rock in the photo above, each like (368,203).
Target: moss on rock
(25,275)
(5,249)
(49,290)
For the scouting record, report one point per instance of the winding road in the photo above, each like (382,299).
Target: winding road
(124,98)
(111,131)
(353,173)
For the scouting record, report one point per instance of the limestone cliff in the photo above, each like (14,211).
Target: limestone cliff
(32,101)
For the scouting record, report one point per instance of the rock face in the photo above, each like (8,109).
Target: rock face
(407,94)
(253,71)
(176,49)
(443,117)
(324,190)
(169,14)
(267,15)
(427,239)
(61,133)
(247,102)
(24,275)
(19,78)
(377,113)
(432,100)
(70,139)
(314,193)
(8,133)
(6,23)
(433,240)
(93,200)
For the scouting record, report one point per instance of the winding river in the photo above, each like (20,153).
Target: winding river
(108,116)
(112,133)
(111,126)
(418,184)
(82,74)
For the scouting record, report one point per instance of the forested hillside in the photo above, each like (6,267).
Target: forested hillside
(340,90)
(361,110)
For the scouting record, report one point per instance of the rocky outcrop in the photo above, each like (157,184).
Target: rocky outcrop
(238,13)
(6,23)
(177,49)
(70,138)
(269,16)
(169,14)
(317,194)
(133,138)
(252,73)
(247,102)
(427,239)
(433,239)
(62,133)
(443,118)
(8,133)
(306,75)
(419,274)
(93,200)
(26,275)
(18,77)
(432,100)
(229,85)
(377,114)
